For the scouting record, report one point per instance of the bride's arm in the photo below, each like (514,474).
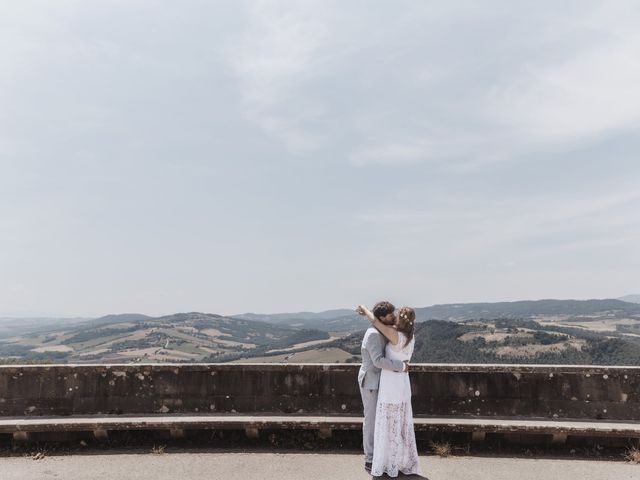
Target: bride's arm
(389,332)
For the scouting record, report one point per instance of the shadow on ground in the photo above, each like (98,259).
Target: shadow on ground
(291,442)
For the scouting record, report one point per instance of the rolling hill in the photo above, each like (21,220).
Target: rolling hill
(528,309)
(630,298)
(542,331)
(341,320)
(180,337)
(515,341)
(348,321)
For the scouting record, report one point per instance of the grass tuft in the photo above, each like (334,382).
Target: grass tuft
(442,449)
(37,454)
(158,449)
(633,455)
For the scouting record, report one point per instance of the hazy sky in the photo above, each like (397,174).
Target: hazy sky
(234,156)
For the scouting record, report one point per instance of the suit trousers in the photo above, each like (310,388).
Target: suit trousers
(370,403)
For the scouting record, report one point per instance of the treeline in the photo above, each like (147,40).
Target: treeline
(13,353)
(95,333)
(528,308)
(437,342)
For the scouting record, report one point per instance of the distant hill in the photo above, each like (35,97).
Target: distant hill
(181,337)
(284,317)
(10,326)
(121,317)
(630,298)
(519,341)
(527,309)
(341,320)
(542,331)
(348,321)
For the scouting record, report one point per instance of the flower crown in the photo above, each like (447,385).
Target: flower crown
(404,316)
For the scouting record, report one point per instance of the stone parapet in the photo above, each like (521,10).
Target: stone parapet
(440,390)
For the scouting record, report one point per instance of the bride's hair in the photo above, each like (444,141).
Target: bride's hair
(406,322)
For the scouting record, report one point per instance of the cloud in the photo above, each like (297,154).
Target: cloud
(381,89)
(591,94)
(487,136)
(549,91)
(533,226)
(393,154)
(276,52)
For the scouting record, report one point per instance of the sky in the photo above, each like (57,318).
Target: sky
(276,156)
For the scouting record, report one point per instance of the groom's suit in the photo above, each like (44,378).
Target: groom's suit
(373,361)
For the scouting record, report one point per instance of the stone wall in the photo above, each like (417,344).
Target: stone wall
(583,392)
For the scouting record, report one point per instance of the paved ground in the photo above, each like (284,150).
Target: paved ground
(290,466)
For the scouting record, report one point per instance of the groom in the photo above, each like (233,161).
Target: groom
(373,361)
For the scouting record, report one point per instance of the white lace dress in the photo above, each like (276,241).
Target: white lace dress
(394,446)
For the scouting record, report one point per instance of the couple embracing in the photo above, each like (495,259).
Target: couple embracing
(388,437)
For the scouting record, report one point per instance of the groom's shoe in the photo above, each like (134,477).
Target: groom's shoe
(367,466)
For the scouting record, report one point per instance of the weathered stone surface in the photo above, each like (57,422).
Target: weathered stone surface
(553,392)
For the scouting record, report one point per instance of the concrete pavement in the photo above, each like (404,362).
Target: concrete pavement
(290,466)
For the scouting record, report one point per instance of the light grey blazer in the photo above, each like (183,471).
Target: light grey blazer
(373,360)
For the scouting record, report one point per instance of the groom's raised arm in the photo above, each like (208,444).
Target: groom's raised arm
(376,349)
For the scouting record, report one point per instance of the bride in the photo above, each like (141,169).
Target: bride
(394,447)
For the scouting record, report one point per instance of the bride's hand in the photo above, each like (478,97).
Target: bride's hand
(364,311)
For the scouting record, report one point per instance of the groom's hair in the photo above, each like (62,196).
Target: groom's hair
(382,309)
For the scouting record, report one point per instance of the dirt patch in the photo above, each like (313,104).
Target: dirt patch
(597,325)
(493,336)
(53,348)
(214,332)
(231,343)
(208,350)
(534,349)
(305,344)
(94,352)
(188,329)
